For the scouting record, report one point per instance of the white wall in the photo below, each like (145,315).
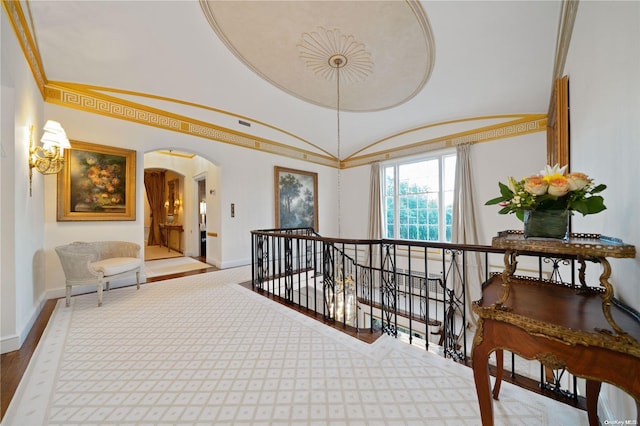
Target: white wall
(603,66)
(22,261)
(492,162)
(245,178)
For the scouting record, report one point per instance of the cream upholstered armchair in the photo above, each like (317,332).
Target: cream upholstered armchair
(97,262)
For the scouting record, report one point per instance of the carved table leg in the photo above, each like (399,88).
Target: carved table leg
(593,390)
(480,362)
(510,265)
(499,370)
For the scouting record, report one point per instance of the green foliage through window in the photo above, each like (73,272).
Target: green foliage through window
(418,198)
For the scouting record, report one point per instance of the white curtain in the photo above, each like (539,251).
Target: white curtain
(375,212)
(375,203)
(464,228)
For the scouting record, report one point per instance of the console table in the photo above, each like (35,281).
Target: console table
(165,230)
(581,328)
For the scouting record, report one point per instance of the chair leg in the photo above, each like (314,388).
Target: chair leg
(107,285)
(138,280)
(100,292)
(68,293)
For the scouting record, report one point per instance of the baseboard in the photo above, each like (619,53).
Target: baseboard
(9,344)
(14,342)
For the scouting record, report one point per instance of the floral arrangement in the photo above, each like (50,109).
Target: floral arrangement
(550,190)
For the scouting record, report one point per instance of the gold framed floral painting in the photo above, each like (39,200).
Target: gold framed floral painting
(97,183)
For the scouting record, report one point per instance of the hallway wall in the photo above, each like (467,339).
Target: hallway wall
(603,66)
(245,179)
(22,236)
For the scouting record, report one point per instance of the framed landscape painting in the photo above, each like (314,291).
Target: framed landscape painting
(296,198)
(97,183)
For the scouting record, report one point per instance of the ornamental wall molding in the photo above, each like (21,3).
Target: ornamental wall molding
(114,107)
(527,124)
(26,40)
(93,102)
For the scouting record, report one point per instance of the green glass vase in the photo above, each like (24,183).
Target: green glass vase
(546,224)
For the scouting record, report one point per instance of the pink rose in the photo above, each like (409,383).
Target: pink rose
(577,181)
(558,186)
(535,185)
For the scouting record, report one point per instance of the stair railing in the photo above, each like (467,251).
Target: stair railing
(411,289)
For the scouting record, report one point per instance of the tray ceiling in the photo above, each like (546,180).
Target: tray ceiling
(409,64)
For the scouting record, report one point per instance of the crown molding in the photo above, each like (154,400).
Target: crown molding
(529,123)
(111,106)
(27,42)
(90,99)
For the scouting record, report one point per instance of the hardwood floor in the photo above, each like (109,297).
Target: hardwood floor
(13,364)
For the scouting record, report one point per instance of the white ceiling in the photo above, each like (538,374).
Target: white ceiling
(489,57)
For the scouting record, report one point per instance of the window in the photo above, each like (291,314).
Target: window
(418,197)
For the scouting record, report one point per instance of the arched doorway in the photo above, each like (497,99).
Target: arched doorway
(164,214)
(193,204)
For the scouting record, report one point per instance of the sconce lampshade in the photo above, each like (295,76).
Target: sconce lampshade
(48,159)
(54,135)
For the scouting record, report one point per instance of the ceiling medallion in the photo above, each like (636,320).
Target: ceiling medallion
(324,51)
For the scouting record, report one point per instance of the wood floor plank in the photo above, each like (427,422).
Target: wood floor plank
(13,364)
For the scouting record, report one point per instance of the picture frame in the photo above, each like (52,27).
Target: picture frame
(558,124)
(172,195)
(97,183)
(296,198)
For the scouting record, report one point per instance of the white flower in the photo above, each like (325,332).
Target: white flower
(553,171)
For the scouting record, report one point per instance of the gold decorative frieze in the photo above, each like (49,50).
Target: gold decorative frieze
(529,124)
(94,100)
(98,103)
(29,48)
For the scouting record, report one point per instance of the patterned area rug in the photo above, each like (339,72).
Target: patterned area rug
(156,268)
(201,349)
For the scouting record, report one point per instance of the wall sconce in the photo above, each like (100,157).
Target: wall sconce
(48,159)
(176,206)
